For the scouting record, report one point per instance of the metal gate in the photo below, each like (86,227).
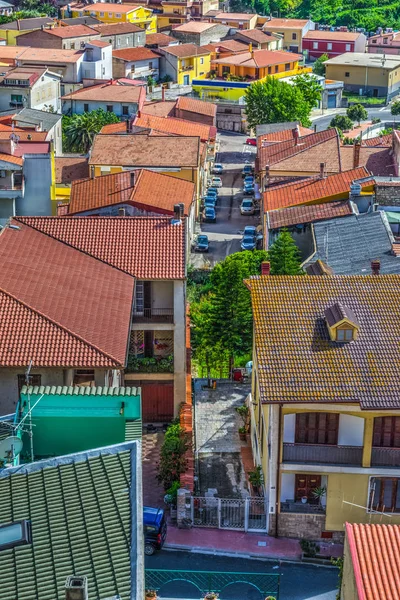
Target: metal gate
(245,514)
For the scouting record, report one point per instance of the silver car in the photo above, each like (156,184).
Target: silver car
(247,207)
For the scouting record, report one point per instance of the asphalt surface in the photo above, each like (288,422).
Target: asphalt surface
(297,581)
(382,113)
(225,235)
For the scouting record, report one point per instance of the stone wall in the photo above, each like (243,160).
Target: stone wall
(295,525)
(388,193)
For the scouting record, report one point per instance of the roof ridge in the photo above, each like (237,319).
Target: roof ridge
(59,325)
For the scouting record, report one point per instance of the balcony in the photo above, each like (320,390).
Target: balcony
(161,364)
(291,506)
(322,454)
(186,68)
(385,457)
(154,315)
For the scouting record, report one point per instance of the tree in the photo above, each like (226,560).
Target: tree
(274,101)
(79,130)
(284,255)
(395,108)
(342,122)
(310,88)
(357,113)
(319,65)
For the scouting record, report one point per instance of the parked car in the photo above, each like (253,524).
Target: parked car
(211,194)
(249,179)
(253,231)
(155,529)
(248,188)
(209,215)
(247,207)
(247,170)
(248,242)
(251,141)
(216,182)
(218,169)
(213,190)
(201,244)
(210,201)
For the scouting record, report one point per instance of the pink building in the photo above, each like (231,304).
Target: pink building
(332,43)
(384,43)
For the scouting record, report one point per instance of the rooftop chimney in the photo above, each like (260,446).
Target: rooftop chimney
(177,214)
(265,268)
(138,114)
(91,171)
(295,133)
(375,266)
(132,178)
(162,94)
(76,588)
(121,211)
(356,155)
(322,170)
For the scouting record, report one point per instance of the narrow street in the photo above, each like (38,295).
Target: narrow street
(225,235)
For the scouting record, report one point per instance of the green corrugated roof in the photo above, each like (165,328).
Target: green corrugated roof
(133,430)
(82,509)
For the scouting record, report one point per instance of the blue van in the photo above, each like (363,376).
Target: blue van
(155,529)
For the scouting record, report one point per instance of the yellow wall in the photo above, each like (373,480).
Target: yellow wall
(197,70)
(287,36)
(143,17)
(358,75)
(11,35)
(241,71)
(235,24)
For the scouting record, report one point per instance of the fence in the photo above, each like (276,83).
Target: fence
(240,514)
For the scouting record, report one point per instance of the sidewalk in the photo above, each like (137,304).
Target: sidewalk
(255,545)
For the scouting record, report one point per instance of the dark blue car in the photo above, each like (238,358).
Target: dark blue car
(154,528)
(209,215)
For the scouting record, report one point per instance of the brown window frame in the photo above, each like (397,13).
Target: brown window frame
(35,379)
(379,505)
(319,427)
(384,428)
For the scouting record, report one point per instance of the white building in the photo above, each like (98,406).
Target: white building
(24,87)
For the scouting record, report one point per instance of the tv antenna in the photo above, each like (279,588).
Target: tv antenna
(10,447)
(30,408)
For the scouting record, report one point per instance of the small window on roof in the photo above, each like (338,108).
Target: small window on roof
(342,323)
(15,534)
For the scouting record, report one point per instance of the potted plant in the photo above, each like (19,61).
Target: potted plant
(242,434)
(318,493)
(304,500)
(150,594)
(211,596)
(256,478)
(270,598)
(151,82)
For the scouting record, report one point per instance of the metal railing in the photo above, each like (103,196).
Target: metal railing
(299,507)
(385,457)
(323,454)
(159,364)
(154,315)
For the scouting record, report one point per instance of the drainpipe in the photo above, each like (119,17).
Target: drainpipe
(277,485)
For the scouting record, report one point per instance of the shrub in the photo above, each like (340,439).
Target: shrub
(172,460)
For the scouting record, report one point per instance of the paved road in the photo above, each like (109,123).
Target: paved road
(224,235)
(298,582)
(373,113)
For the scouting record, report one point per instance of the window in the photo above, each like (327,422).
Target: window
(84,377)
(386,432)
(287,67)
(329,46)
(132,68)
(317,428)
(347,74)
(315,45)
(33,380)
(118,42)
(104,55)
(72,46)
(110,15)
(374,41)
(118,15)
(15,534)
(150,65)
(348,47)
(385,494)
(385,40)
(102,14)
(276,68)
(109,108)
(125,110)
(202,61)
(344,335)
(269,70)
(86,108)
(294,36)
(16,98)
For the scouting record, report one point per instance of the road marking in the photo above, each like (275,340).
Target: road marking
(382,109)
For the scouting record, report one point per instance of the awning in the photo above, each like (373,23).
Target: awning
(393,217)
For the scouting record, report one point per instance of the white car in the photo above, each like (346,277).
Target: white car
(247,207)
(216,182)
(218,169)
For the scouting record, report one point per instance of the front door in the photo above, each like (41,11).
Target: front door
(157,401)
(332,101)
(186,80)
(147,299)
(304,487)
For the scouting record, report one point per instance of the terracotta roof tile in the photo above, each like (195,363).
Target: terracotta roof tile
(234,16)
(40,322)
(50,56)
(159,39)
(145,151)
(185,50)
(116,28)
(255,35)
(177,126)
(258,58)
(297,215)
(69,168)
(226,46)
(99,43)
(134,54)
(335,36)
(298,362)
(196,106)
(312,189)
(151,191)
(159,108)
(15,160)
(111,7)
(382,140)
(108,92)
(71,31)
(379,160)
(195,27)
(286,23)
(24,134)
(374,552)
(144,247)
(283,136)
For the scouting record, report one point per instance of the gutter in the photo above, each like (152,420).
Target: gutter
(277,484)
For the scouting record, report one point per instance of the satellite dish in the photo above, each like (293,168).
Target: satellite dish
(10,447)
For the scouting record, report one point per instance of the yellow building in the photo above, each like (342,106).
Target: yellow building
(236,20)
(185,62)
(115,13)
(325,403)
(173,13)
(10,31)
(292,30)
(369,74)
(257,64)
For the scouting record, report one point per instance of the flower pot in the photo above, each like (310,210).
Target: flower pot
(304,500)
(242,436)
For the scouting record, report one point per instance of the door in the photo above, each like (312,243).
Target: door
(186,80)
(157,401)
(147,299)
(332,101)
(304,487)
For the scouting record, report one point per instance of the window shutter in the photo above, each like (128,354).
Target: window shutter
(387,431)
(333,427)
(301,428)
(377,437)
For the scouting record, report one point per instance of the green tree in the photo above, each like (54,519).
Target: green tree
(395,108)
(284,255)
(310,88)
(357,113)
(341,122)
(319,65)
(79,130)
(274,101)
(172,455)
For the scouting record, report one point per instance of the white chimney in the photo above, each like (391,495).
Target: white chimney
(76,588)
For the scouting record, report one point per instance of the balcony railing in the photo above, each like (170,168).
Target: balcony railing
(322,454)
(154,315)
(162,364)
(385,457)
(187,68)
(298,507)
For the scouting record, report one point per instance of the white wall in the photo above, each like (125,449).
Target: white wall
(179,344)
(163,294)
(45,93)
(142,69)
(287,486)
(9,385)
(289,428)
(79,105)
(351,431)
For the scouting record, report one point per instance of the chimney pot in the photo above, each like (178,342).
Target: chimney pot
(265,268)
(375,266)
(295,133)
(162,94)
(76,588)
(132,178)
(356,155)
(322,170)
(91,172)
(138,114)
(121,211)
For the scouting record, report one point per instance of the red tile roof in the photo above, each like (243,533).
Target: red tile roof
(382,140)
(297,215)
(374,552)
(116,28)
(109,92)
(70,168)
(312,189)
(258,58)
(161,39)
(196,106)
(331,36)
(185,50)
(283,136)
(119,127)
(23,134)
(159,108)
(285,23)
(71,31)
(135,54)
(235,16)
(379,160)
(111,7)
(151,191)
(177,126)
(15,160)
(145,247)
(58,306)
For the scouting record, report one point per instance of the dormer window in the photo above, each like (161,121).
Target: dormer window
(342,323)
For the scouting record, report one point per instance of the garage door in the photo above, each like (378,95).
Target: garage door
(332,101)
(157,401)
